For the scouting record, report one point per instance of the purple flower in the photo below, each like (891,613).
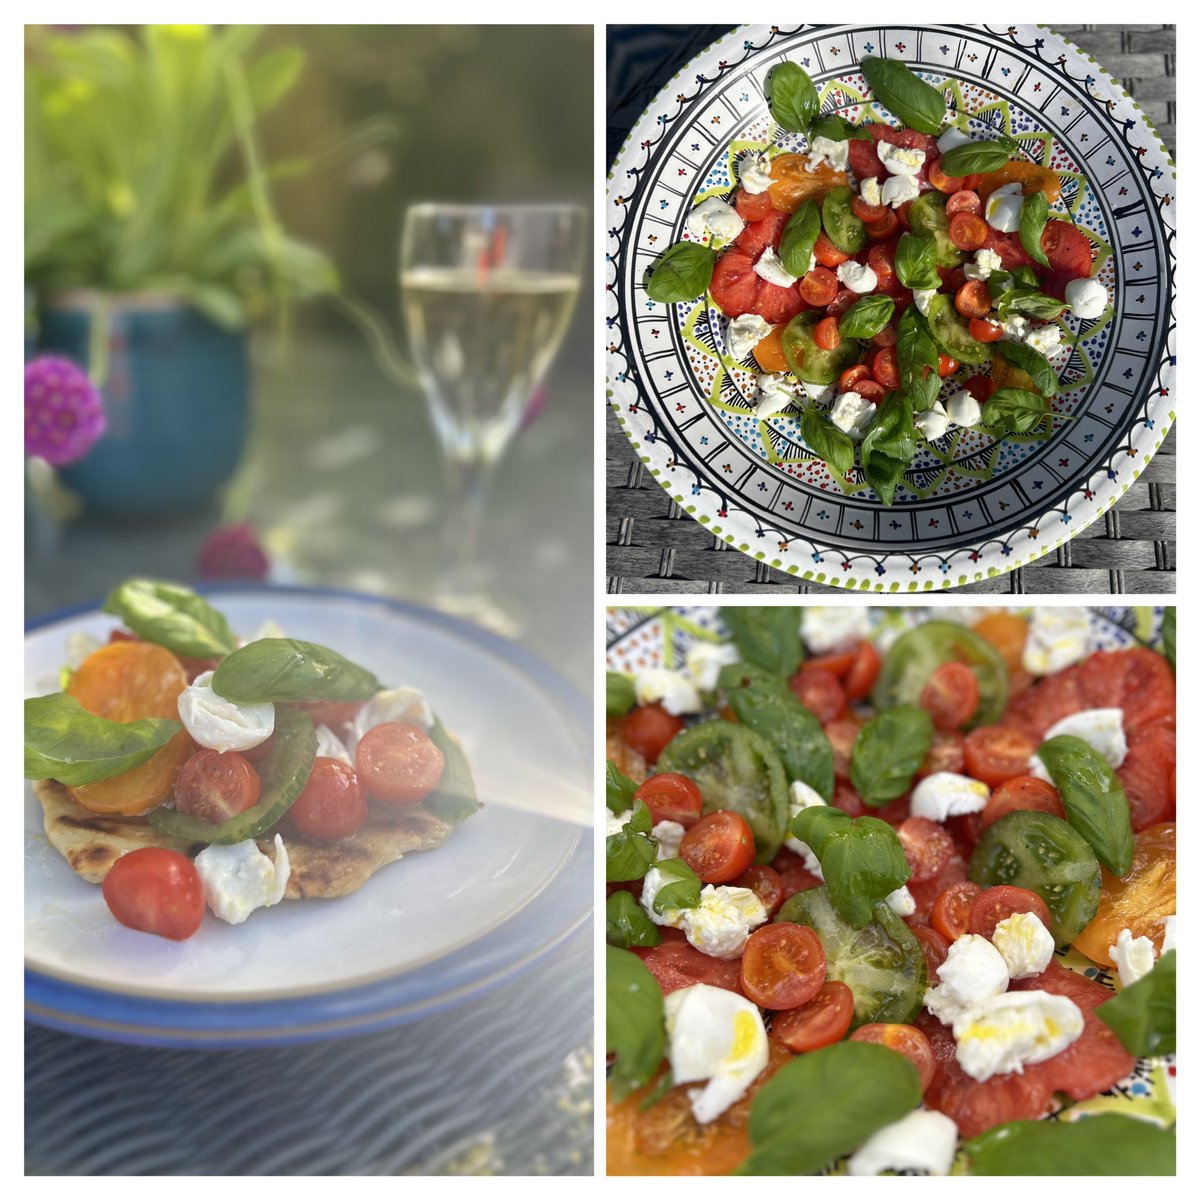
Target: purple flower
(232,552)
(64,412)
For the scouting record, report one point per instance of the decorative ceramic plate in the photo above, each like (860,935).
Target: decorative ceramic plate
(641,638)
(969,508)
(422,934)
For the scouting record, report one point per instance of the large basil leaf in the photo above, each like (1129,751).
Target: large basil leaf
(866,317)
(975,158)
(914,101)
(286,671)
(64,741)
(455,797)
(173,617)
(889,446)
(767,637)
(1034,211)
(682,272)
(628,855)
(1105,1143)
(792,97)
(1143,1015)
(1029,304)
(917,359)
(1013,410)
(827,441)
(916,261)
(799,237)
(1033,363)
(626,923)
(825,1104)
(683,891)
(635,1026)
(888,752)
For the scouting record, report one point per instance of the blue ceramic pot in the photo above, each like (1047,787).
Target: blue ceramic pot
(176,396)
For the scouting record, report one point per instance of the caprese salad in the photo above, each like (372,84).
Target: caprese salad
(870,891)
(891,283)
(185,769)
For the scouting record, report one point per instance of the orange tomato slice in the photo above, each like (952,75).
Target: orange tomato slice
(1030,176)
(769,352)
(143,788)
(794,184)
(1006,632)
(1006,374)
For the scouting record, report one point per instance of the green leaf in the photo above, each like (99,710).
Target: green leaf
(1034,211)
(1143,1014)
(682,272)
(914,101)
(767,637)
(287,671)
(1101,1144)
(975,158)
(916,261)
(1013,410)
(1033,363)
(866,317)
(684,889)
(1025,276)
(1030,304)
(455,798)
(173,617)
(64,741)
(792,97)
(626,923)
(825,1104)
(917,359)
(618,789)
(635,1026)
(1093,797)
(837,129)
(827,441)
(631,853)
(799,237)
(619,694)
(888,448)
(888,752)
(1168,634)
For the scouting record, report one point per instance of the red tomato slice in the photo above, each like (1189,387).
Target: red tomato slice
(945,754)
(1047,702)
(1136,680)
(1147,775)
(671,797)
(1026,793)
(767,884)
(842,735)
(951,696)
(397,763)
(964,201)
(845,299)
(835,664)
(783,966)
(330,712)
(776,304)
(1008,246)
(793,874)
(214,787)
(1069,250)
(869,389)
(823,1020)
(758,235)
(927,846)
(995,753)
(751,207)
(996,904)
(864,160)
(910,139)
(719,847)
(935,946)
(156,891)
(332,805)
(676,964)
(903,1039)
(885,226)
(820,692)
(734,285)
(648,729)
(952,909)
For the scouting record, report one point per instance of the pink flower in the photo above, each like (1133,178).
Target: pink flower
(232,552)
(64,412)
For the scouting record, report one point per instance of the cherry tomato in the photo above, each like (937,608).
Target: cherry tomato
(671,797)
(397,763)
(332,805)
(887,336)
(927,846)
(1026,793)
(649,728)
(935,946)
(952,909)
(980,386)
(157,891)
(719,847)
(885,368)
(945,754)
(881,258)
(973,298)
(820,692)
(964,201)
(821,1022)
(860,679)
(867,213)
(752,207)
(783,966)
(827,254)
(793,874)
(842,735)
(767,884)
(902,213)
(826,334)
(768,353)
(995,753)
(817,288)
(996,904)
(946,366)
(984,331)
(128,680)
(331,712)
(951,696)
(868,389)
(904,1039)
(214,786)
(943,182)
(968,231)
(845,299)
(851,375)
(885,226)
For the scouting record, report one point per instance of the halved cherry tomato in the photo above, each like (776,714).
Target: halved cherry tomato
(996,904)
(214,786)
(671,797)
(826,334)
(1026,793)
(885,226)
(973,299)
(935,946)
(869,389)
(995,753)
(649,728)
(902,213)
(945,754)
(767,884)
(851,375)
(783,966)
(398,763)
(951,696)
(860,679)
(904,1039)
(842,735)
(719,847)
(952,909)
(968,231)
(845,299)
(984,331)
(156,891)
(768,353)
(793,874)
(927,846)
(820,692)
(818,287)
(887,336)
(885,368)
(943,182)
(946,366)
(827,254)
(881,258)
(980,386)
(838,663)
(867,213)
(821,1022)
(751,206)
(964,201)
(332,805)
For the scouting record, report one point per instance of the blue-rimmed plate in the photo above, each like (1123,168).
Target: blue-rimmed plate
(970,507)
(423,934)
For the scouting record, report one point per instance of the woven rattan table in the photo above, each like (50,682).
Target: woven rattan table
(653,546)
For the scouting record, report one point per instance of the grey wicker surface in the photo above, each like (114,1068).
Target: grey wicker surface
(653,546)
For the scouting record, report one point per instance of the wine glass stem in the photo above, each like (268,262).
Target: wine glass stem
(470,485)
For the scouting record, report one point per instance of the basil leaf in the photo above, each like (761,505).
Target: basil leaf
(629,854)
(1105,1142)
(635,1027)
(286,671)
(1143,1014)
(683,272)
(917,359)
(1030,304)
(799,237)
(619,789)
(827,441)
(1032,363)
(862,860)
(914,101)
(684,889)
(916,261)
(619,696)
(1093,797)
(173,617)
(1025,276)
(455,798)
(626,923)
(888,752)
(999,282)
(64,741)
(889,446)
(1013,410)
(792,97)
(1034,211)
(765,704)
(1168,634)
(866,317)
(977,158)
(838,129)
(861,1088)
(767,637)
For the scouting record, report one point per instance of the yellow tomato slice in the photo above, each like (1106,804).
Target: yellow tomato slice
(143,788)
(794,184)
(1006,632)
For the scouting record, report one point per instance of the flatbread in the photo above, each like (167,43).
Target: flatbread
(92,842)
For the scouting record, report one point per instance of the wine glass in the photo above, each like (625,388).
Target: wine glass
(487,293)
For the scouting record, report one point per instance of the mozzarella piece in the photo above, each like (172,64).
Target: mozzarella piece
(329,745)
(952,137)
(79,647)
(986,261)
(933,422)
(802,797)
(898,189)
(900,160)
(922,297)
(901,902)
(974,972)
(819,393)
(852,414)
(857,276)
(825,150)
(770,267)
(1003,209)
(829,629)
(654,883)
(720,924)
(1088,298)
(219,724)
(1013,1031)
(1057,638)
(945,794)
(615,823)
(1024,943)
(238,879)
(1168,941)
(716,218)
(744,333)
(1014,328)
(924,1141)
(717,1036)
(403,704)
(963,409)
(705,660)
(869,191)
(1132,956)
(1045,339)
(775,393)
(1102,728)
(672,689)
(754,172)
(668,835)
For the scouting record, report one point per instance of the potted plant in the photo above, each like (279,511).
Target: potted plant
(151,243)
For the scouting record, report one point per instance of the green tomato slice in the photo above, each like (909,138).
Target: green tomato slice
(950,332)
(928,215)
(808,362)
(843,226)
